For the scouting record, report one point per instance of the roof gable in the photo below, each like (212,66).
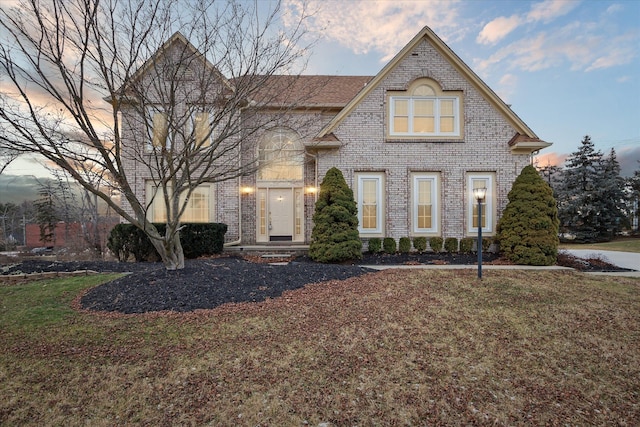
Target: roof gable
(456,62)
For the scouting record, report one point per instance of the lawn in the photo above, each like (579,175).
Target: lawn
(410,347)
(622,244)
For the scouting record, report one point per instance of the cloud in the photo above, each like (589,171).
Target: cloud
(585,46)
(629,159)
(498,29)
(507,86)
(550,159)
(364,26)
(549,10)
(545,11)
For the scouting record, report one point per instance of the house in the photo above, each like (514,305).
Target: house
(412,141)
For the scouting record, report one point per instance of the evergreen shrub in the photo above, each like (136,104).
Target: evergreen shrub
(404,245)
(335,235)
(466,245)
(528,228)
(375,245)
(435,243)
(389,245)
(451,244)
(420,244)
(197,240)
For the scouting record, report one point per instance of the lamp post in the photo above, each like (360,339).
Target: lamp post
(479,194)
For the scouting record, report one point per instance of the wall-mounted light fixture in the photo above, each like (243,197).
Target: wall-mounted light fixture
(311,190)
(247,190)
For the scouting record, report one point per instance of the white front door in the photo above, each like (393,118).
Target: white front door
(280,215)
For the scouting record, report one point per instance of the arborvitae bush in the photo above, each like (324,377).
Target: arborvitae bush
(335,236)
(389,245)
(420,244)
(451,244)
(375,245)
(528,228)
(466,245)
(435,243)
(404,245)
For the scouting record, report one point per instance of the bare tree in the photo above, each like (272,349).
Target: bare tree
(7,156)
(177,110)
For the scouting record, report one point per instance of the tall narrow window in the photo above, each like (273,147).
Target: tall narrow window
(160,130)
(425,203)
(370,203)
(480,180)
(201,129)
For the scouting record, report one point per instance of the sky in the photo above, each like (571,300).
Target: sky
(568,68)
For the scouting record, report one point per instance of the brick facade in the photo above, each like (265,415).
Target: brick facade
(360,128)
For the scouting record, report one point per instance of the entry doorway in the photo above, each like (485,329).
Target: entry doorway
(280,215)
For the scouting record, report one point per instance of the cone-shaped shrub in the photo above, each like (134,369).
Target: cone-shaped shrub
(335,234)
(528,229)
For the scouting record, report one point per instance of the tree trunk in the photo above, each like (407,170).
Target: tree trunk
(170,251)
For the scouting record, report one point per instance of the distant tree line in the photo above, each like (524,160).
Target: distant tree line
(595,203)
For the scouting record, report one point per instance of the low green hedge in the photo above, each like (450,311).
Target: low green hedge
(451,245)
(197,239)
(420,244)
(389,245)
(375,245)
(435,243)
(405,245)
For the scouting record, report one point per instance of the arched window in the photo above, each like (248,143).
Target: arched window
(425,111)
(281,156)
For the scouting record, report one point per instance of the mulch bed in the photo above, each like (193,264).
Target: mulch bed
(208,283)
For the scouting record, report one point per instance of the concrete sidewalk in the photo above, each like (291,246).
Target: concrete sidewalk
(620,259)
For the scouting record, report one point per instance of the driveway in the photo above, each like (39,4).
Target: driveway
(621,259)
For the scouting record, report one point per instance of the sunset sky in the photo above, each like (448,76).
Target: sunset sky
(568,68)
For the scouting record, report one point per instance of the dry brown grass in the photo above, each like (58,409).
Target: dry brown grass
(410,347)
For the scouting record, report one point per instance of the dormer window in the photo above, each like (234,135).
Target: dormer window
(424,111)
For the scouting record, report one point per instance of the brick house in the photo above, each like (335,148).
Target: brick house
(412,141)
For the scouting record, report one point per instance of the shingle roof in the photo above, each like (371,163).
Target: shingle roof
(308,91)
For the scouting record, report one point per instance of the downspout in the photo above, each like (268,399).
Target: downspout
(239,241)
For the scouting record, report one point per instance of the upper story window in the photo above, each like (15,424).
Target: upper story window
(158,120)
(201,130)
(281,156)
(425,111)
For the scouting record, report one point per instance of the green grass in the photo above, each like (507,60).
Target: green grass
(36,305)
(410,347)
(622,245)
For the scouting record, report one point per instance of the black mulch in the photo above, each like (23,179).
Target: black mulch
(208,283)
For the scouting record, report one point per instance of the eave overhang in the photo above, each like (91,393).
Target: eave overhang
(522,144)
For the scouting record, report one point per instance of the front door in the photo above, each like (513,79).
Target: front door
(280,214)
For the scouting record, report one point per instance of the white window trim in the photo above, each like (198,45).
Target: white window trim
(379,178)
(488,207)
(437,99)
(434,179)
(150,191)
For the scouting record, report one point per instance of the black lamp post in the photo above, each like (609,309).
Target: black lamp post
(479,194)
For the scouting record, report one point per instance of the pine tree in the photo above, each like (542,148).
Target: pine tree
(611,199)
(634,199)
(578,204)
(335,234)
(528,228)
